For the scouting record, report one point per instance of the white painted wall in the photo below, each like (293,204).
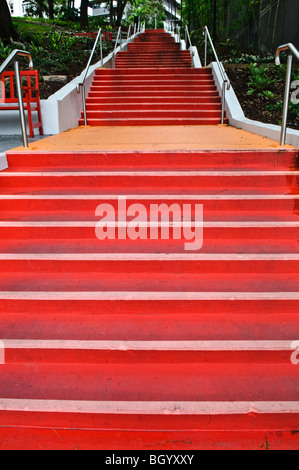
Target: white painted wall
(3,162)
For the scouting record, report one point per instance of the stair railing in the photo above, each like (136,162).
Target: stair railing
(81,84)
(188,40)
(225,79)
(12,58)
(118,38)
(293,52)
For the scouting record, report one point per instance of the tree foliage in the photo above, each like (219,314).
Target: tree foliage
(7,31)
(148,11)
(243,20)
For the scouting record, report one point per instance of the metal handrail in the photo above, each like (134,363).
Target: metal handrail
(294,52)
(115,47)
(187,37)
(81,84)
(12,58)
(226,80)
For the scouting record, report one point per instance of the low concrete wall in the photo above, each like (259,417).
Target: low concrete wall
(237,117)
(3,162)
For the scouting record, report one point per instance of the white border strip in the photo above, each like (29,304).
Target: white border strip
(222,224)
(277,345)
(186,173)
(181,197)
(144,296)
(150,407)
(147,257)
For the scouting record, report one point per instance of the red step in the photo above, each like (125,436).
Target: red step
(147,95)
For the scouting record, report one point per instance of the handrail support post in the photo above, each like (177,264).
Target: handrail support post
(21,104)
(84,104)
(286,100)
(206,47)
(224,85)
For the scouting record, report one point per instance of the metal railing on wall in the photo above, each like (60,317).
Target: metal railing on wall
(225,79)
(293,52)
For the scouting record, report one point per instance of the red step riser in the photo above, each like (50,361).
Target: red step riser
(154,55)
(85,209)
(153,113)
(145,268)
(151,62)
(153,122)
(135,107)
(155,99)
(88,233)
(265,245)
(60,356)
(131,326)
(179,382)
(156,82)
(171,94)
(152,71)
(241,309)
(64,438)
(127,182)
(140,429)
(146,66)
(160,160)
(152,87)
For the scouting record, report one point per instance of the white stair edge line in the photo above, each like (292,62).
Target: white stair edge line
(143,152)
(147,257)
(146,173)
(93,224)
(181,197)
(275,345)
(150,407)
(144,296)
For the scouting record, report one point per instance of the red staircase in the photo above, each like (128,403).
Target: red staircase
(153,84)
(139,344)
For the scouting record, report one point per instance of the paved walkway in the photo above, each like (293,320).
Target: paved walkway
(8,142)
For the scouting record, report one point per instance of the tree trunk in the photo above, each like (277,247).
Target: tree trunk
(84,14)
(7,31)
(120,10)
(111,8)
(51,9)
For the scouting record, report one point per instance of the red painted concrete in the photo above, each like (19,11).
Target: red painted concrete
(123,344)
(148,96)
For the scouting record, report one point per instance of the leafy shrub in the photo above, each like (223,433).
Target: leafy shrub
(259,79)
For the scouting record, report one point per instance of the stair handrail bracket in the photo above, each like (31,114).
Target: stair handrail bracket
(12,58)
(225,80)
(293,51)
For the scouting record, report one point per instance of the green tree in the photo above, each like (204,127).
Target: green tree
(147,11)
(37,8)
(7,30)
(116,12)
